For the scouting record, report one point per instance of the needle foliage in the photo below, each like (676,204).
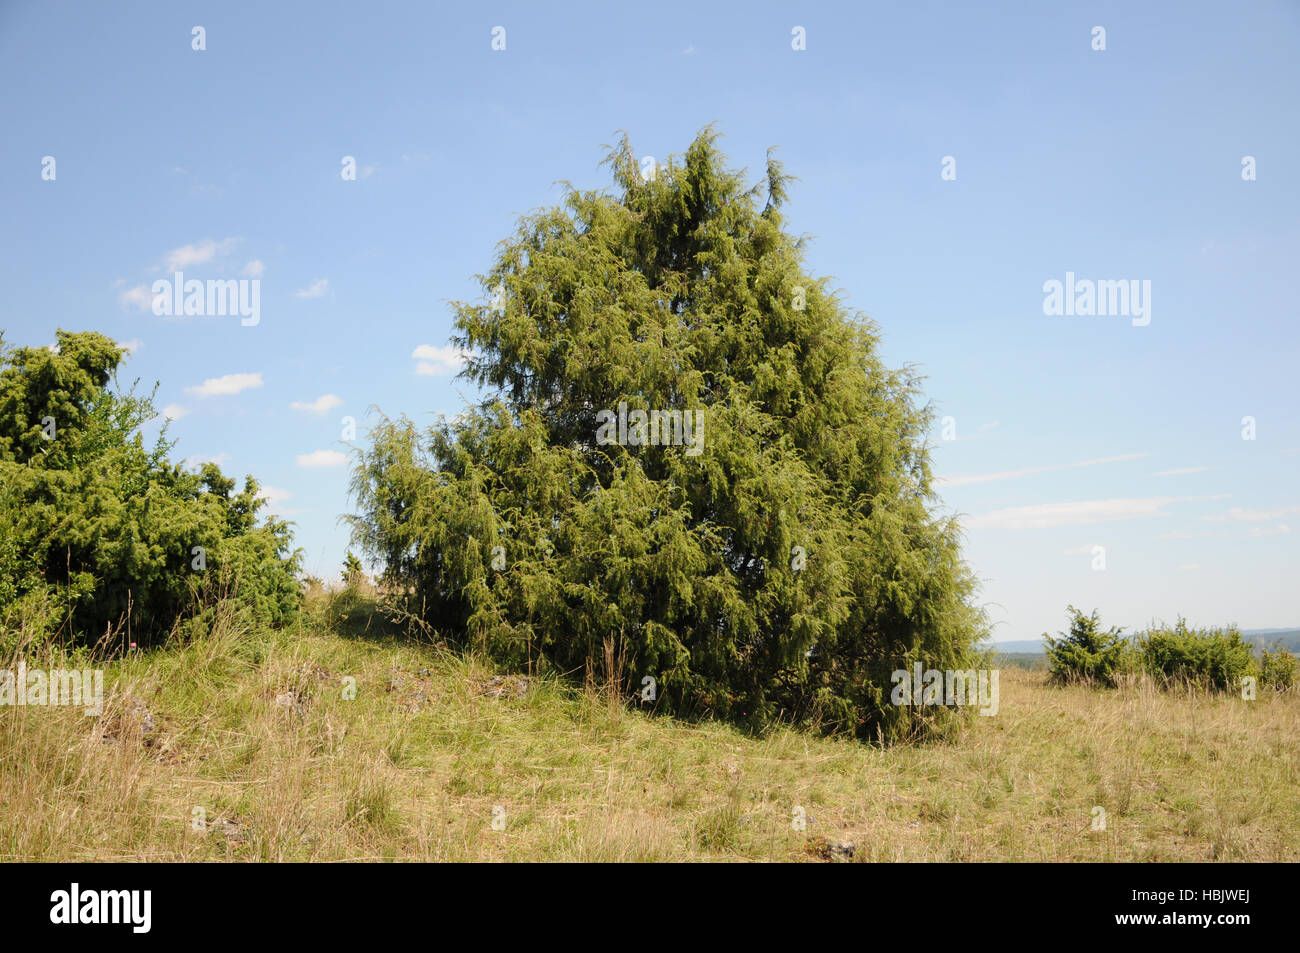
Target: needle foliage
(783,572)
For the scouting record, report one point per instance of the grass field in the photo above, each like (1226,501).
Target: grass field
(241,746)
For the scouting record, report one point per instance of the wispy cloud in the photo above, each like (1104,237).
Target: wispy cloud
(318,406)
(229,384)
(1184,534)
(1281,529)
(968,479)
(254,269)
(1181,472)
(199,253)
(981,431)
(1253,516)
(439,360)
(316,289)
(275,497)
(139,298)
(274,494)
(174,411)
(1079,513)
(322,458)
(199,459)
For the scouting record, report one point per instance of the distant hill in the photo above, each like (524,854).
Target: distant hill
(1290,638)
(1260,638)
(1020,647)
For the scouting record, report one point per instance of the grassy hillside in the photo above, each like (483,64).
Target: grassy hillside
(253,729)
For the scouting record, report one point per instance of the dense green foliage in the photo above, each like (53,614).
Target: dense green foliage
(1086,653)
(1210,658)
(784,572)
(1279,669)
(99,533)
(1216,658)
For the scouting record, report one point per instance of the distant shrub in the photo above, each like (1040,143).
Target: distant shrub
(1087,654)
(1279,669)
(1216,658)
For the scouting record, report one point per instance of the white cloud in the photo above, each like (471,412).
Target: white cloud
(318,406)
(1078,513)
(1281,529)
(229,384)
(439,360)
(967,479)
(254,269)
(1085,550)
(316,290)
(199,253)
(130,346)
(980,432)
(1254,516)
(139,298)
(322,458)
(174,411)
(274,494)
(199,459)
(1181,472)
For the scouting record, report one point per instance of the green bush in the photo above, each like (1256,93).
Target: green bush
(100,534)
(1216,658)
(1279,669)
(1087,654)
(784,572)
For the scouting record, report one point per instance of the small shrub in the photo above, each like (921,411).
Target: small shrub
(1087,654)
(1213,658)
(1279,669)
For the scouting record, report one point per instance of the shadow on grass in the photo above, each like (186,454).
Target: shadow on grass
(359,610)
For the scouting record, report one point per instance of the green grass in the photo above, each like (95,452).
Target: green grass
(414,766)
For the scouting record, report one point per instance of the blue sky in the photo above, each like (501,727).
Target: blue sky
(1071,431)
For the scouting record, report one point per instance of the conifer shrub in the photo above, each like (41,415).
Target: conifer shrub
(780,561)
(101,534)
(1212,658)
(1279,669)
(1086,653)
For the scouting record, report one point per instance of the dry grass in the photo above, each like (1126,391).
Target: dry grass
(413,768)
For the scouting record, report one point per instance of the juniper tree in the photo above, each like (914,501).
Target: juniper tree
(1087,652)
(784,572)
(97,529)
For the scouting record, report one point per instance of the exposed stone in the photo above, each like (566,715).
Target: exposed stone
(505,686)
